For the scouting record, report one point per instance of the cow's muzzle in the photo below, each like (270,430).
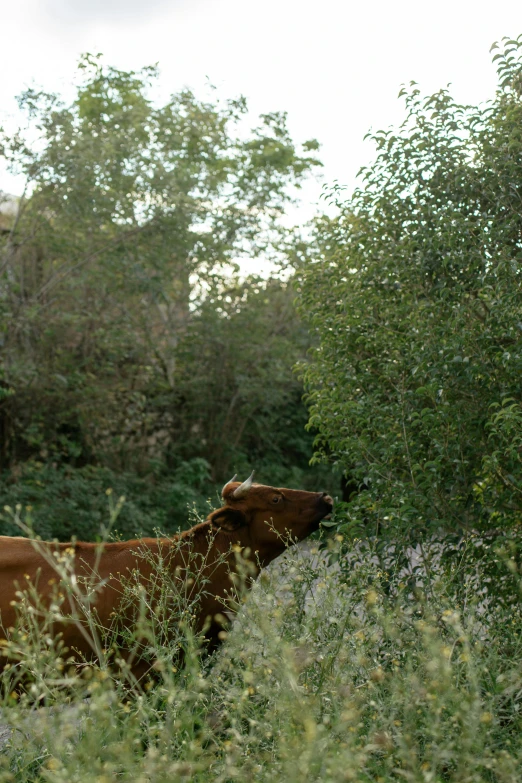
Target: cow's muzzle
(326,499)
(326,504)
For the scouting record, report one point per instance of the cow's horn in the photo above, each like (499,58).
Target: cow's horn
(234,477)
(243,488)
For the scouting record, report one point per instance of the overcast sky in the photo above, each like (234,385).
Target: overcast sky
(335,66)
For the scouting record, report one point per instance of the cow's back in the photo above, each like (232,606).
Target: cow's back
(16,552)
(19,564)
(26,564)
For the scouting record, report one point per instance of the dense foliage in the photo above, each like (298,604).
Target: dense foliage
(415,293)
(130,348)
(134,358)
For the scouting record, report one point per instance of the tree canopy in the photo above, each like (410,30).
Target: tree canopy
(414,292)
(129,341)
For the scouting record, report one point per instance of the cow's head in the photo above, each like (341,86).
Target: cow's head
(265,518)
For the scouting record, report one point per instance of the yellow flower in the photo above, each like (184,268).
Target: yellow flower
(372,597)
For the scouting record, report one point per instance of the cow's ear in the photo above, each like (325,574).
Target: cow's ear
(227,518)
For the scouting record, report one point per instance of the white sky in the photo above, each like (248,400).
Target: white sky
(335,67)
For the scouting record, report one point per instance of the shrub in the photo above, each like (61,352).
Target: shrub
(415,295)
(71,502)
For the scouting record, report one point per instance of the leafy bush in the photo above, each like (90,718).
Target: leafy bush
(415,295)
(64,502)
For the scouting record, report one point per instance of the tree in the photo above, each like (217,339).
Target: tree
(415,294)
(133,214)
(240,400)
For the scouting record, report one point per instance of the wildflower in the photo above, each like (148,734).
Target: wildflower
(383,740)
(377,675)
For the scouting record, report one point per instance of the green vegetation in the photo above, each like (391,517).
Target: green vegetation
(415,294)
(357,683)
(134,357)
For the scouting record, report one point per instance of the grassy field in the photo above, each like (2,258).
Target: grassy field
(346,672)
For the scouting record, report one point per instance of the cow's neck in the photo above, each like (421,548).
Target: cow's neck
(223,541)
(266,554)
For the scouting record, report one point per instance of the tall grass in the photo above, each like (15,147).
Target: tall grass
(326,674)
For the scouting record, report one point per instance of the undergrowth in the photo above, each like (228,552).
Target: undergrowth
(329,673)
(66,501)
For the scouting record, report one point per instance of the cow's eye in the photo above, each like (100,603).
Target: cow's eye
(276,499)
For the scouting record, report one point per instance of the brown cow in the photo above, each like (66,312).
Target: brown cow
(260,519)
